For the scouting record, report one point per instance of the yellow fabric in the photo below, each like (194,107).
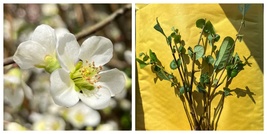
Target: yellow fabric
(157,106)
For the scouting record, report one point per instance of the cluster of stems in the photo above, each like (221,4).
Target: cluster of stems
(205,119)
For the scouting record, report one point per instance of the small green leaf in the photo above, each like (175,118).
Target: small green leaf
(177,39)
(217,37)
(175,30)
(200,23)
(213,38)
(153,57)
(201,89)
(210,38)
(190,52)
(204,78)
(173,65)
(209,28)
(234,72)
(146,57)
(142,64)
(181,49)
(170,76)
(161,73)
(229,70)
(209,59)
(226,91)
(141,54)
(199,50)
(158,28)
(174,49)
(181,90)
(169,40)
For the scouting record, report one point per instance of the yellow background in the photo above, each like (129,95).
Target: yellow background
(157,106)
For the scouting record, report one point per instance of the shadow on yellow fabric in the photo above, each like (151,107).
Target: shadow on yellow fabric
(157,105)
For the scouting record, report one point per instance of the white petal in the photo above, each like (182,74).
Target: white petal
(28,54)
(14,97)
(63,89)
(45,35)
(98,100)
(98,49)
(68,51)
(93,118)
(128,56)
(27,90)
(113,79)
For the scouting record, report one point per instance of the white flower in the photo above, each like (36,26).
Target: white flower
(128,56)
(81,75)
(110,125)
(13,126)
(15,88)
(39,51)
(81,115)
(47,122)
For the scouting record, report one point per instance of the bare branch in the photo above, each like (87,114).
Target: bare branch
(92,29)
(8,61)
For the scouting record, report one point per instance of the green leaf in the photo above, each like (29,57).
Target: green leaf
(146,57)
(225,52)
(181,90)
(175,30)
(171,76)
(209,28)
(173,65)
(226,91)
(158,28)
(169,40)
(229,70)
(200,23)
(177,39)
(141,54)
(153,57)
(190,52)
(213,38)
(201,89)
(234,72)
(142,64)
(210,38)
(204,78)
(181,49)
(217,37)
(209,59)
(243,8)
(199,50)
(161,73)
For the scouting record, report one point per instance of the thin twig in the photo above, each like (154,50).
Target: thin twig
(92,29)
(8,61)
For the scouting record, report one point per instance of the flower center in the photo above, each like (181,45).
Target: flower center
(85,76)
(50,64)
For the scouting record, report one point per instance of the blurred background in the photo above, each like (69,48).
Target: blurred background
(38,112)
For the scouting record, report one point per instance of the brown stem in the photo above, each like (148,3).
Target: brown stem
(8,61)
(92,29)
